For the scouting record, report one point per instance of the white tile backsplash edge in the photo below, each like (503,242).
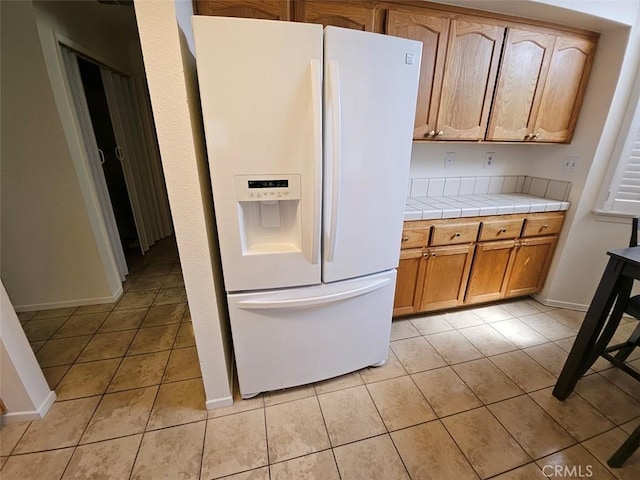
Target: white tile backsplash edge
(454,186)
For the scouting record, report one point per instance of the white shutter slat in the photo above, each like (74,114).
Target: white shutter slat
(627,189)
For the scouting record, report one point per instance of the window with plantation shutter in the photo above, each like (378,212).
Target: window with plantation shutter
(626,193)
(620,194)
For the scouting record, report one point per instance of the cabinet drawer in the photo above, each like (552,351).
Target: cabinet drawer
(415,238)
(500,230)
(456,233)
(542,225)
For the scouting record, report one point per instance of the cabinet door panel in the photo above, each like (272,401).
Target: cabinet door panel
(264,9)
(432,31)
(445,272)
(488,272)
(564,88)
(469,79)
(354,15)
(408,283)
(530,266)
(523,72)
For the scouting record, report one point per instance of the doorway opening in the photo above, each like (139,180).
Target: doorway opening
(107,149)
(122,159)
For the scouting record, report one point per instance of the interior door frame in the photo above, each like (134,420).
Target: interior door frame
(80,159)
(93,157)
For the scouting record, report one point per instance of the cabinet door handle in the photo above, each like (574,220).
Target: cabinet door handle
(530,136)
(441,132)
(405,239)
(433,254)
(536,135)
(524,244)
(426,255)
(432,133)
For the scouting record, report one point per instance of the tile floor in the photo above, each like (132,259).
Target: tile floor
(464,395)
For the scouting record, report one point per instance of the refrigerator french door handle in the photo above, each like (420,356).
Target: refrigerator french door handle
(312,301)
(336,153)
(316,110)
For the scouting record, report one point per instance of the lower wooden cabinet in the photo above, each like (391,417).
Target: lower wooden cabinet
(408,284)
(444,273)
(490,267)
(432,277)
(530,265)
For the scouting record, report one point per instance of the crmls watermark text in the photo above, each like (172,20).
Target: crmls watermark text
(570,471)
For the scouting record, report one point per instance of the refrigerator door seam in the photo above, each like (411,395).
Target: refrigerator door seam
(316,100)
(336,153)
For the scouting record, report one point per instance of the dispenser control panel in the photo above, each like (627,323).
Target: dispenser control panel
(261,188)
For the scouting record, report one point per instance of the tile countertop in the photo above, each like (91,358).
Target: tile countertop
(474,205)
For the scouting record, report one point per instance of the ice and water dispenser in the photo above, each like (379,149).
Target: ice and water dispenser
(269,213)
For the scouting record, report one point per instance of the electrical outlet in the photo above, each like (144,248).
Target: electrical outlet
(489,159)
(449,157)
(570,163)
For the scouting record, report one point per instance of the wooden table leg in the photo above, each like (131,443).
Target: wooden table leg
(626,450)
(623,289)
(591,327)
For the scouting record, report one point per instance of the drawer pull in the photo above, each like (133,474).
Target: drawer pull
(405,239)
(544,226)
(457,234)
(503,230)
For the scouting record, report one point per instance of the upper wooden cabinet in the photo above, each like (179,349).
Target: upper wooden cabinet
(432,30)
(460,56)
(358,15)
(540,86)
(471,88)
(524,68)
(265,9)
(469,78)
(564,88)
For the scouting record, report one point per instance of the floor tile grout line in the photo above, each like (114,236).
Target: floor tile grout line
(485,356)
(598,409)
(520,444)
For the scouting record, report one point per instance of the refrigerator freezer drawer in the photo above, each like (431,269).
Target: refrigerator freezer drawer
(292,337)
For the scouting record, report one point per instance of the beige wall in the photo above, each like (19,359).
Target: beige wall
(23,388)
(581,257)
(48,251)
(54,246)
(166,39)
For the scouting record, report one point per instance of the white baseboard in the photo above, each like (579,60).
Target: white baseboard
(560,304)
(219,402)
(28,415)
(69,303)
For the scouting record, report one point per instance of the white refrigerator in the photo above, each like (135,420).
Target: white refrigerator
(308,134)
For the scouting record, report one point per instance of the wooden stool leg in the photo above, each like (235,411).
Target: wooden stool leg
(633,342)
(626,450)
